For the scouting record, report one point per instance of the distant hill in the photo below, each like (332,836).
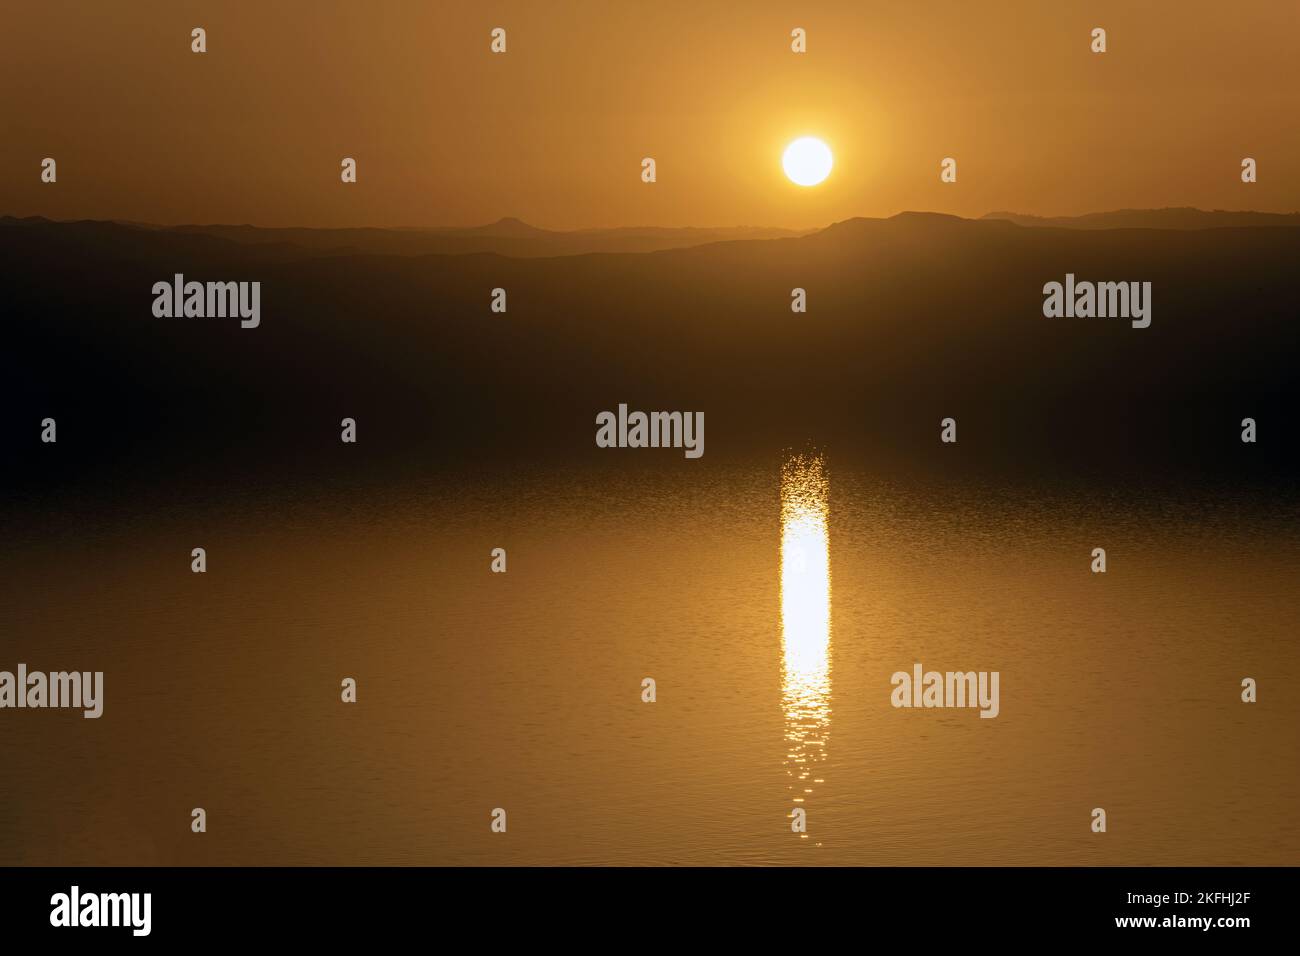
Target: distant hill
(506,237)
(1170,218)
(910,319)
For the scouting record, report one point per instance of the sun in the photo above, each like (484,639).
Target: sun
(807,161)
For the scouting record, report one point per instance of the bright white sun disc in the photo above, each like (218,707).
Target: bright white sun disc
(807,161)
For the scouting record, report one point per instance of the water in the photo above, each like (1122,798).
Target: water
(771,603)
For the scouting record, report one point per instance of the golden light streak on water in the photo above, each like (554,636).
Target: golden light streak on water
(805,621)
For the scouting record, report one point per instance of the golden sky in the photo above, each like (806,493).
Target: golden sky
(553,131)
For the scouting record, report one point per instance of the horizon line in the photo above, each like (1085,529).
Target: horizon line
(515,221)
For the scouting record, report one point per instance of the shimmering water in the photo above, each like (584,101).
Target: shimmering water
(770,603)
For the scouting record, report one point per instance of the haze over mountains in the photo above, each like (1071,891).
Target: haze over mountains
(1183,217)
(514,238)
(507,237)
(910,319)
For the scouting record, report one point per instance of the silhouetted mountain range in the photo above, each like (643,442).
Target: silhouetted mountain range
(1172,218)
(909,320)
(507,237)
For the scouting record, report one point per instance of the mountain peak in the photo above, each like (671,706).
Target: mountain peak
(510,227)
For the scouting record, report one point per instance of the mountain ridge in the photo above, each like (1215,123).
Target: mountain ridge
(513,238)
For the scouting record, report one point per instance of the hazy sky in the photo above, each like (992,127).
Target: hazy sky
(554,130)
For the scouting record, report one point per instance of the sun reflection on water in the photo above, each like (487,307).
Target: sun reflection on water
(805,621)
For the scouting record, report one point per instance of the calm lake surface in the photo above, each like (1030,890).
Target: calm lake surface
(770,602)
